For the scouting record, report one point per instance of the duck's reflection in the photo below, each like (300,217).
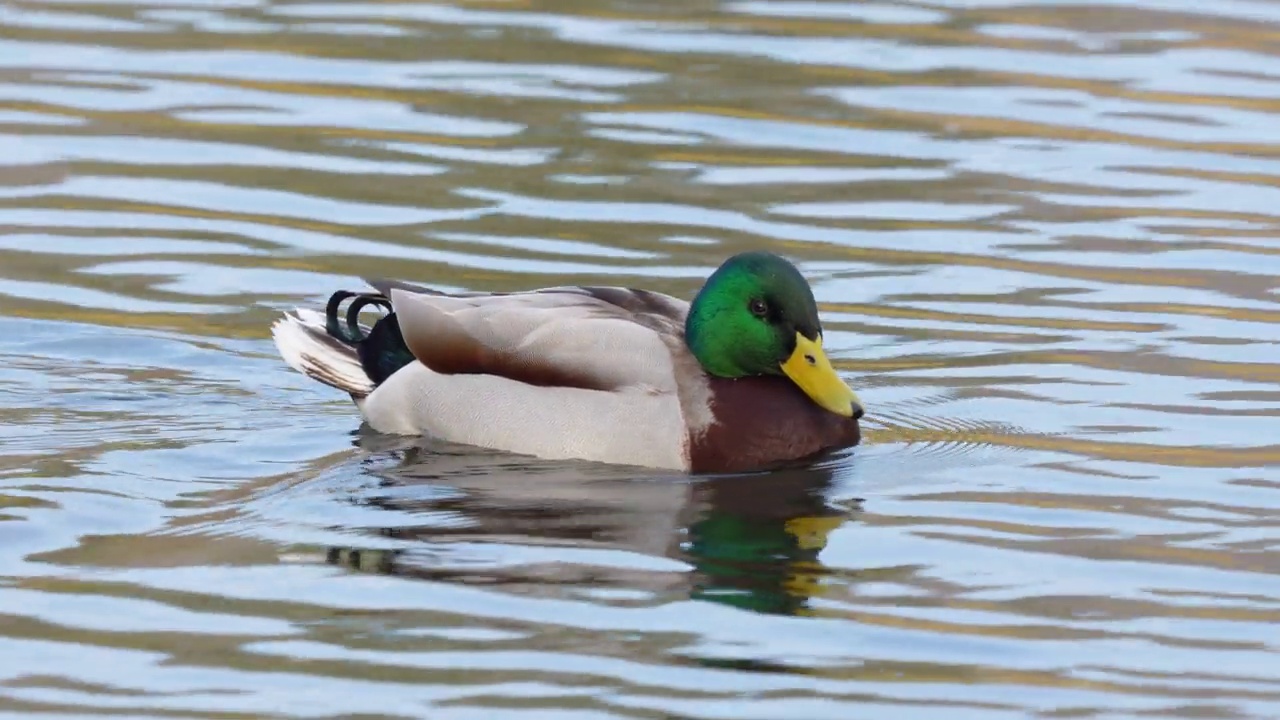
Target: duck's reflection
(752,541)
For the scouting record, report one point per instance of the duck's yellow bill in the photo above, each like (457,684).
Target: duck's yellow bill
(809,368)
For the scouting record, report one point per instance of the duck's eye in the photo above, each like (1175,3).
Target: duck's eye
(758,307)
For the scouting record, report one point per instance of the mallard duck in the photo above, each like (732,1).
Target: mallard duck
(735,380)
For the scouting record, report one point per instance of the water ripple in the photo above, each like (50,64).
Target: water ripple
(1041,236)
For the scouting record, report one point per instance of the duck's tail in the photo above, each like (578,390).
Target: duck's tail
(337,350)
(307,347)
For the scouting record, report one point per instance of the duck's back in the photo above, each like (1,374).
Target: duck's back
(596,373)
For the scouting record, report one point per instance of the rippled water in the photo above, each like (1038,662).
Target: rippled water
(1043,238)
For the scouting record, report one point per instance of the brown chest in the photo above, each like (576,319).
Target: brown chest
(760,421)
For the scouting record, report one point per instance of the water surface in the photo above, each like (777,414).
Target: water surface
(1042,236)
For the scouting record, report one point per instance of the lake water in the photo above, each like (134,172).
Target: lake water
(1042,235)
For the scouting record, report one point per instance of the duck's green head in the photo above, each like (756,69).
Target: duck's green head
(756,316)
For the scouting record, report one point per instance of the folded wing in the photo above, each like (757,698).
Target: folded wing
(594,338)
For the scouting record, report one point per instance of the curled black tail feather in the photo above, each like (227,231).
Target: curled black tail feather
(352,333)
(381,349)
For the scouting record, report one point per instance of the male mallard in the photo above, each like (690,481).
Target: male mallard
(735,380)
